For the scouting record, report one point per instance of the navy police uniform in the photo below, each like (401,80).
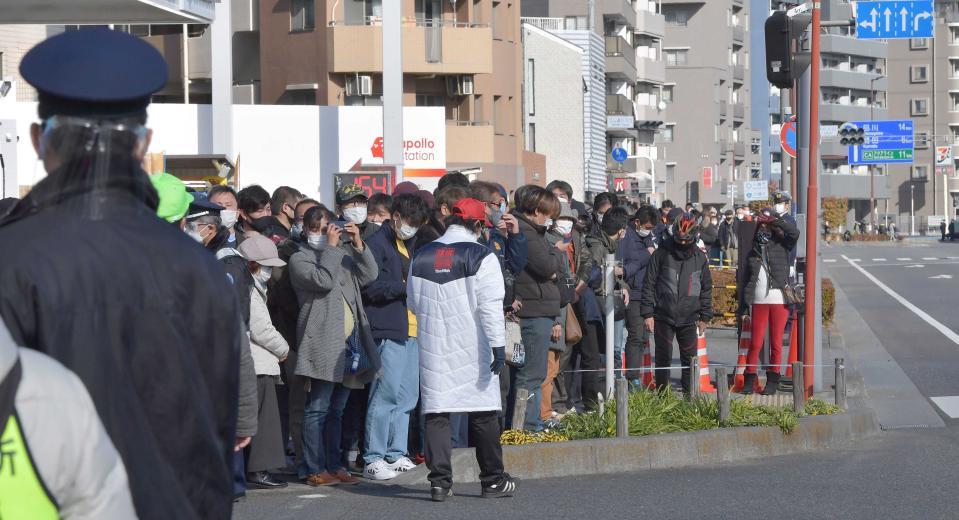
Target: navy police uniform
(139,311)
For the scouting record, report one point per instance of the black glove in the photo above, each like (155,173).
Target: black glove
(499,360)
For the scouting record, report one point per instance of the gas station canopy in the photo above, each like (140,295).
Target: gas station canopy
(101,12)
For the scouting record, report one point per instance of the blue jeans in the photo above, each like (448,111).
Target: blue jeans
(619,345)
(393,396)
(323,427)
(535,333)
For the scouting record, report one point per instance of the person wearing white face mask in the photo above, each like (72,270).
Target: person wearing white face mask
(636,249)
(394,394)
(226,197)
(351,203)
(268,349)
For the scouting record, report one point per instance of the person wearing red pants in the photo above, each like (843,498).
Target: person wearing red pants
(767,269)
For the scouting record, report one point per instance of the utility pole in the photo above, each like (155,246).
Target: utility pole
(393,87)
(872,168)
(812,210)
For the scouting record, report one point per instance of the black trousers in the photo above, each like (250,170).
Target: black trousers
(484,432)
(587,353)
(354,423)
(637,339)
(266,449)
(664,334)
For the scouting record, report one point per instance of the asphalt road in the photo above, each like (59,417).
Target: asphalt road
(927,277)
(900,475)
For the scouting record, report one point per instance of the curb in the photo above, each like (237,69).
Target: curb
(673,450)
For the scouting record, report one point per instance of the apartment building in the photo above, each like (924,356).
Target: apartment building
(553,98)
(708,144)
(462,55)
(924,87)
(15,41)
(632,85)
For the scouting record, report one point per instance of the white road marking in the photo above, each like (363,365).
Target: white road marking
(946,331)
(851,259)
(916,265)
(929,258)
(314,495)
(829,260)
(952,258)
(904,259)
(941,276)
(948,404)
(878,259)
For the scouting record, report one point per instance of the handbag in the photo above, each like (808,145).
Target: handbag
(574,332)
(515,351)
(793,293)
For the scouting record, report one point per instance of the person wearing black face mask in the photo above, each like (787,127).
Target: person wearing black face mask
(677,296)
(767,270)
(254,204)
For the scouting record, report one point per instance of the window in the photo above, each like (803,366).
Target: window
(478,108)
(668,133)
(301,97)
(531,137)
(954,101)
(675,57)
(531,86)
(919,73)
(668,94)
(918,43)
(575,23)
(677,17)
(921,140)
(920,173)
(430,100)
(953,35)
(919,107)
(302,15)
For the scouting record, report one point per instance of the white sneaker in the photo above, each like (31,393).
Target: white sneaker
(379,470)
(402,465)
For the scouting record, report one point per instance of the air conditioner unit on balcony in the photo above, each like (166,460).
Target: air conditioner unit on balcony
(459,85)
(359,85)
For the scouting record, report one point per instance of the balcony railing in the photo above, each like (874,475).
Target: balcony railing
(546,24)
(410,22)
(619,105)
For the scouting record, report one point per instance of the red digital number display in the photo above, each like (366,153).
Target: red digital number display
(370,182)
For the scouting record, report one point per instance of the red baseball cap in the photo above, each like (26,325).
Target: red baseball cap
(471,209)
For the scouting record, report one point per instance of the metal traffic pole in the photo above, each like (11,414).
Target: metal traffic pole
(812,205)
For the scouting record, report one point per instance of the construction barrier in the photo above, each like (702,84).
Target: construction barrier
(646,368)
(745,338)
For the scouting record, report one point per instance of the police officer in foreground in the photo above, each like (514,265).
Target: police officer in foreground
(132,305)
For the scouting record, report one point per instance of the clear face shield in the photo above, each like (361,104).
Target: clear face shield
(84,156)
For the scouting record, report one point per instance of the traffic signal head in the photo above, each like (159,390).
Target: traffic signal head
(851,135)
(784,60)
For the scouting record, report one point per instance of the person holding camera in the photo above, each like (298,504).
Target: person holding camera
(767,272)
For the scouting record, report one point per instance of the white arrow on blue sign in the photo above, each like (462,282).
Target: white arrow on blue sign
(619,154)
(895,19)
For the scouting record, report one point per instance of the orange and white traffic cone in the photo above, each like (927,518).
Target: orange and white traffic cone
(745,337)
(704,385)
(648,381)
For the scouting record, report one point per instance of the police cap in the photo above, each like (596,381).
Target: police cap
(94,72)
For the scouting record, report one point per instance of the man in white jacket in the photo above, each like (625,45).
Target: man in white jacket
(456,291)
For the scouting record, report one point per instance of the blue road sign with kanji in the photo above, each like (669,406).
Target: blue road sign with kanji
(885,142)
(894,19)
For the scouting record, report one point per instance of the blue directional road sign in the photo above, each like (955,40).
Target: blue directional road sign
(885,142)
(885,19)
(619,154)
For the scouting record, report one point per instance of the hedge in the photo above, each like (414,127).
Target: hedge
(725,303)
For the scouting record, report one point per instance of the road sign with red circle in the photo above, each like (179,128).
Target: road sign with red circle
(787,137)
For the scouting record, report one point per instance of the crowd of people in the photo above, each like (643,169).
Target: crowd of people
(174,348)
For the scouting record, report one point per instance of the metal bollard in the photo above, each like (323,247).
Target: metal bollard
(519,408)
(799,388)
(840,383)
(694,378)
(722,394)
(622,408)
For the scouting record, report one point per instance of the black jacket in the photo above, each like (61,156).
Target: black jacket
(281,298)
(775,255)
(678,288)
(727,234)
(535,286)
(710,235)
(147,319)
